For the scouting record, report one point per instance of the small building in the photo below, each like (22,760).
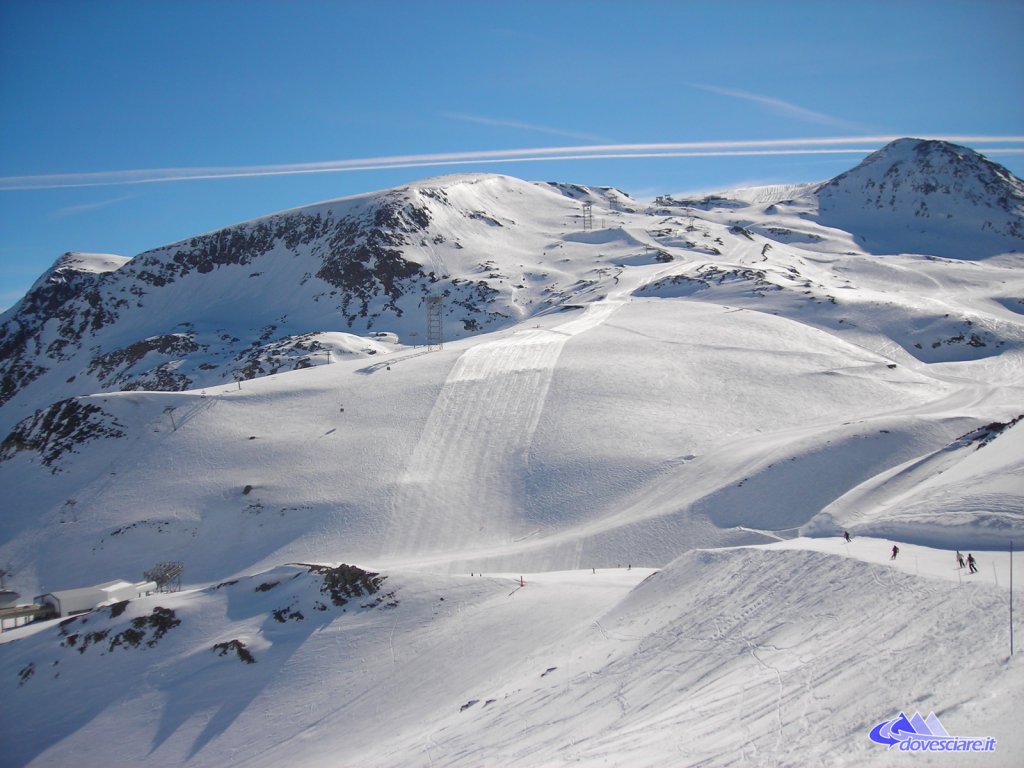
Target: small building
(69,602)
(19,615)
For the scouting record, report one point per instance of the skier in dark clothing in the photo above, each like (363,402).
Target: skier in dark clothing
(970,563)
(960,558)
(846,535)
(895,551)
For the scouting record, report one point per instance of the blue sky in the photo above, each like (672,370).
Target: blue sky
(128,125)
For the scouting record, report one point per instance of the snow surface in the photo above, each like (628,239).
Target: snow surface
(92,262)
(665,434)
(785,654)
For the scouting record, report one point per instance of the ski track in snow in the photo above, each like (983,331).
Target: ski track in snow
(476,440)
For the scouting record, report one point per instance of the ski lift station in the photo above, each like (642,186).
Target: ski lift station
(68,602)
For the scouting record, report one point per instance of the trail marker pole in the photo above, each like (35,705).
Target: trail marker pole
(1011,597)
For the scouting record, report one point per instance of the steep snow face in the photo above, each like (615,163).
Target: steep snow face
(969,490)
(933,197)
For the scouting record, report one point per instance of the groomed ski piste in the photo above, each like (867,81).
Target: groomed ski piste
(779,654)
(607,532)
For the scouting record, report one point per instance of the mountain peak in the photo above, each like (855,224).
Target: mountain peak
(923,195)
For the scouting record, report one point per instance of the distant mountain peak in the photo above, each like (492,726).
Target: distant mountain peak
(938,161)
(925,195)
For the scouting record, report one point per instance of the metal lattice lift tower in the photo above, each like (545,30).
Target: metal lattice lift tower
(588,216)
(435,327)
(166,575)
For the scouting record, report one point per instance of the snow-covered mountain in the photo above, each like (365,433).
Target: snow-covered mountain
(930,196)
(622,388)
(280,292)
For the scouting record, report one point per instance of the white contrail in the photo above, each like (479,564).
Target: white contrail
(782,107)
(858,144)
(75,210)
(519,125)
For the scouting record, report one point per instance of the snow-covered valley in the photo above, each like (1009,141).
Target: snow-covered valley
(663,418)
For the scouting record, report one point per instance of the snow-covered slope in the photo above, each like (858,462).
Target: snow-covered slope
(614,391)
(664,381)
(765,656)
(968,490)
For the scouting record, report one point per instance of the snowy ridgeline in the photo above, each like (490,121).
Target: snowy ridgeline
(634,392)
